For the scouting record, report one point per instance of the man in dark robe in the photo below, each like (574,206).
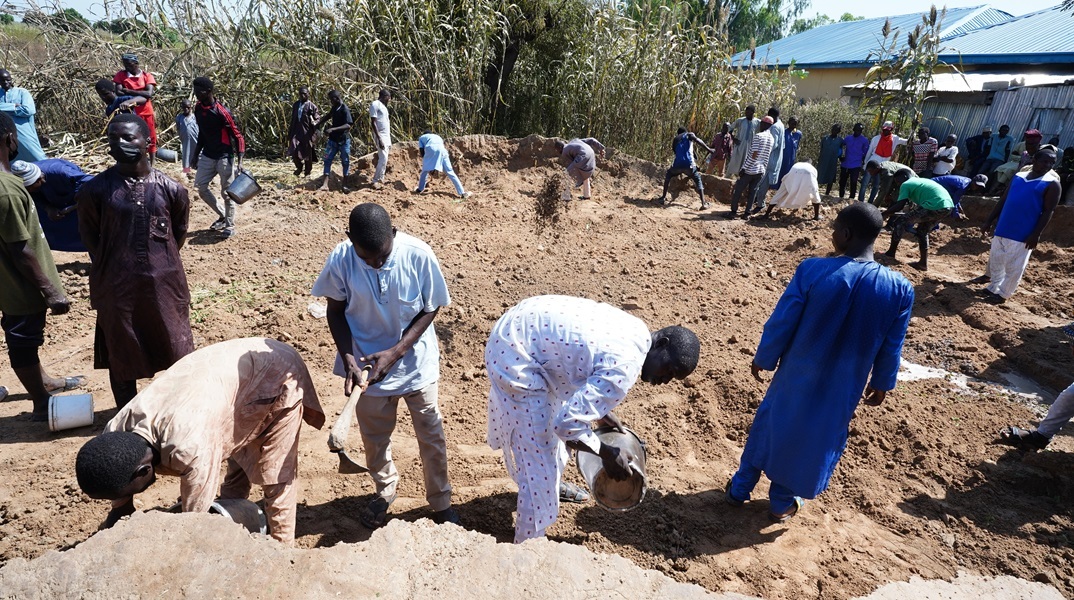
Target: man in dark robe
(303,133)
(133,219)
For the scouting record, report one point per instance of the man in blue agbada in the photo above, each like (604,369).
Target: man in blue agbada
(841,319)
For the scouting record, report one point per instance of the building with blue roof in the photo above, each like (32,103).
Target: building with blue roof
(837,55)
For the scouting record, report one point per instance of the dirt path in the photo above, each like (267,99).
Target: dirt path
(921,491)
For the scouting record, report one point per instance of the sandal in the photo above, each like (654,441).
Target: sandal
(568,492)
(375,514)
(70,383)
(1023,439)
(790,512)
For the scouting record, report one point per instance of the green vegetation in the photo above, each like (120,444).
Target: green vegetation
(897,85)
(801,25)
(628,74)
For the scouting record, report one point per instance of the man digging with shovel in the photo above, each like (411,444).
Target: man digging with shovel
(384,289)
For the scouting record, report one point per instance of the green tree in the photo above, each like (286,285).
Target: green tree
(6,19)
(743,22)
(898,83)
(820,20)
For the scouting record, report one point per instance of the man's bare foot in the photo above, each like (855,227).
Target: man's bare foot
(920,266)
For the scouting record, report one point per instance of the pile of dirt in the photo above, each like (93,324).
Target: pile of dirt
(402,560)
(922,491)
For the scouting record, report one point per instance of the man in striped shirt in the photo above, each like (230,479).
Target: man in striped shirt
(753,167)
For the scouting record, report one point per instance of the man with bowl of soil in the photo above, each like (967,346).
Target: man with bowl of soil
(558,365)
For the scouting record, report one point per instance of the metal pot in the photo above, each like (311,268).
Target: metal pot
(167,155)
(243,512)
(243,187)
(616,496)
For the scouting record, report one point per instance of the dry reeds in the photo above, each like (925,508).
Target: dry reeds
(586,69)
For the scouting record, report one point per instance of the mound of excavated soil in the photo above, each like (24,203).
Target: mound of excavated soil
(921,491)
(154,555)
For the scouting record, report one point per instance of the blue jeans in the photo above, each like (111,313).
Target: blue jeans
(780,499)
(332,148)
(866,180)
(450,173)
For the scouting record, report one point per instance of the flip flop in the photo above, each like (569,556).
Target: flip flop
(71,383)
(1023,439)
(375,514)
(784,516)
(3,392)
(568,492)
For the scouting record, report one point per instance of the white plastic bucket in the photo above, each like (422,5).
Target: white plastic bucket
(70,411)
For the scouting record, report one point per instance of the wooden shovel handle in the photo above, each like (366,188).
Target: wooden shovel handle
(337,439)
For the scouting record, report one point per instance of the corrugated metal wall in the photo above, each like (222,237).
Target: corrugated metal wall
(1047,108)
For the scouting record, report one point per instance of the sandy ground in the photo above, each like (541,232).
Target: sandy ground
(921,491)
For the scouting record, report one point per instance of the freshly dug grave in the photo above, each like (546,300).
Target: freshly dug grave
(921,491)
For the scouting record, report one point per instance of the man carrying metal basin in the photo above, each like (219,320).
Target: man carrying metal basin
(557,366)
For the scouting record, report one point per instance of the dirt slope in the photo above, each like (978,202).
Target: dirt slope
(921,491)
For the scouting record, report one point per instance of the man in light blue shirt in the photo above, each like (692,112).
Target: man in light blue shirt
(19,104)
(384,288)
(1000,151)
(434,157)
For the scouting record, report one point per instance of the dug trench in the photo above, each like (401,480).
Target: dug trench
(922,490)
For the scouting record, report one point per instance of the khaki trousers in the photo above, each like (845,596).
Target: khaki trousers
(376,421)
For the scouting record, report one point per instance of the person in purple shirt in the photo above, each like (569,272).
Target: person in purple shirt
(855,147)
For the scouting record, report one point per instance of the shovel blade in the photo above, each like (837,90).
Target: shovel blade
(348,466)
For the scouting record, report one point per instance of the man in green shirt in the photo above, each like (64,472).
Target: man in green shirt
(892,174)
(29,283)
(929,203)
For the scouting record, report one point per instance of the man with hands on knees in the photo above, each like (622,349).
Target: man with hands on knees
(838,329)
(557,366)
(384,288)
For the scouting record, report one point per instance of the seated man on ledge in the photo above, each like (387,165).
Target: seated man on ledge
(242,400)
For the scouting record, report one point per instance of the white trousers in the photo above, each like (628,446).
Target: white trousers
(1059,413)
(382,162)
(1006,264)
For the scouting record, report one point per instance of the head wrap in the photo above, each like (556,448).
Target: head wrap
(1033,134)
(130,56)
(27,171)
(981,180)
(887,125)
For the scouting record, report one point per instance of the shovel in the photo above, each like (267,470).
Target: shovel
(337,439)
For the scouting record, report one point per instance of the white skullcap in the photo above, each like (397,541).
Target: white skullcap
(28,171)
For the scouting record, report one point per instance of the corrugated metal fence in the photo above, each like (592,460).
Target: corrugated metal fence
(1048,108)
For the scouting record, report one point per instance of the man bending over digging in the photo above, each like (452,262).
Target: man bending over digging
(840,319)
(242,400)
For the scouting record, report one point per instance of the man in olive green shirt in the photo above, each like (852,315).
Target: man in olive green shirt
(29,283)
(929,203)
(892,174)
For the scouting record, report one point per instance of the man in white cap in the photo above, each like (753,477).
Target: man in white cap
(881,149)
(53,184)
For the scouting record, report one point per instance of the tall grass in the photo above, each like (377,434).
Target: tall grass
(590,70)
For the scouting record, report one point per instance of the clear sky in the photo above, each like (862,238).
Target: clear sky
(93,9)
(835,8)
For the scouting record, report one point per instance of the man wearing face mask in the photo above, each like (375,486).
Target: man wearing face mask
(133,220)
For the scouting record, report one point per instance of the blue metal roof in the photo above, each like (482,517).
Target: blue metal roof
(1043,37)
(849,44)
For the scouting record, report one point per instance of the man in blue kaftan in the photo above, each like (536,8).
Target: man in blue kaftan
(19,105)
(840,319)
